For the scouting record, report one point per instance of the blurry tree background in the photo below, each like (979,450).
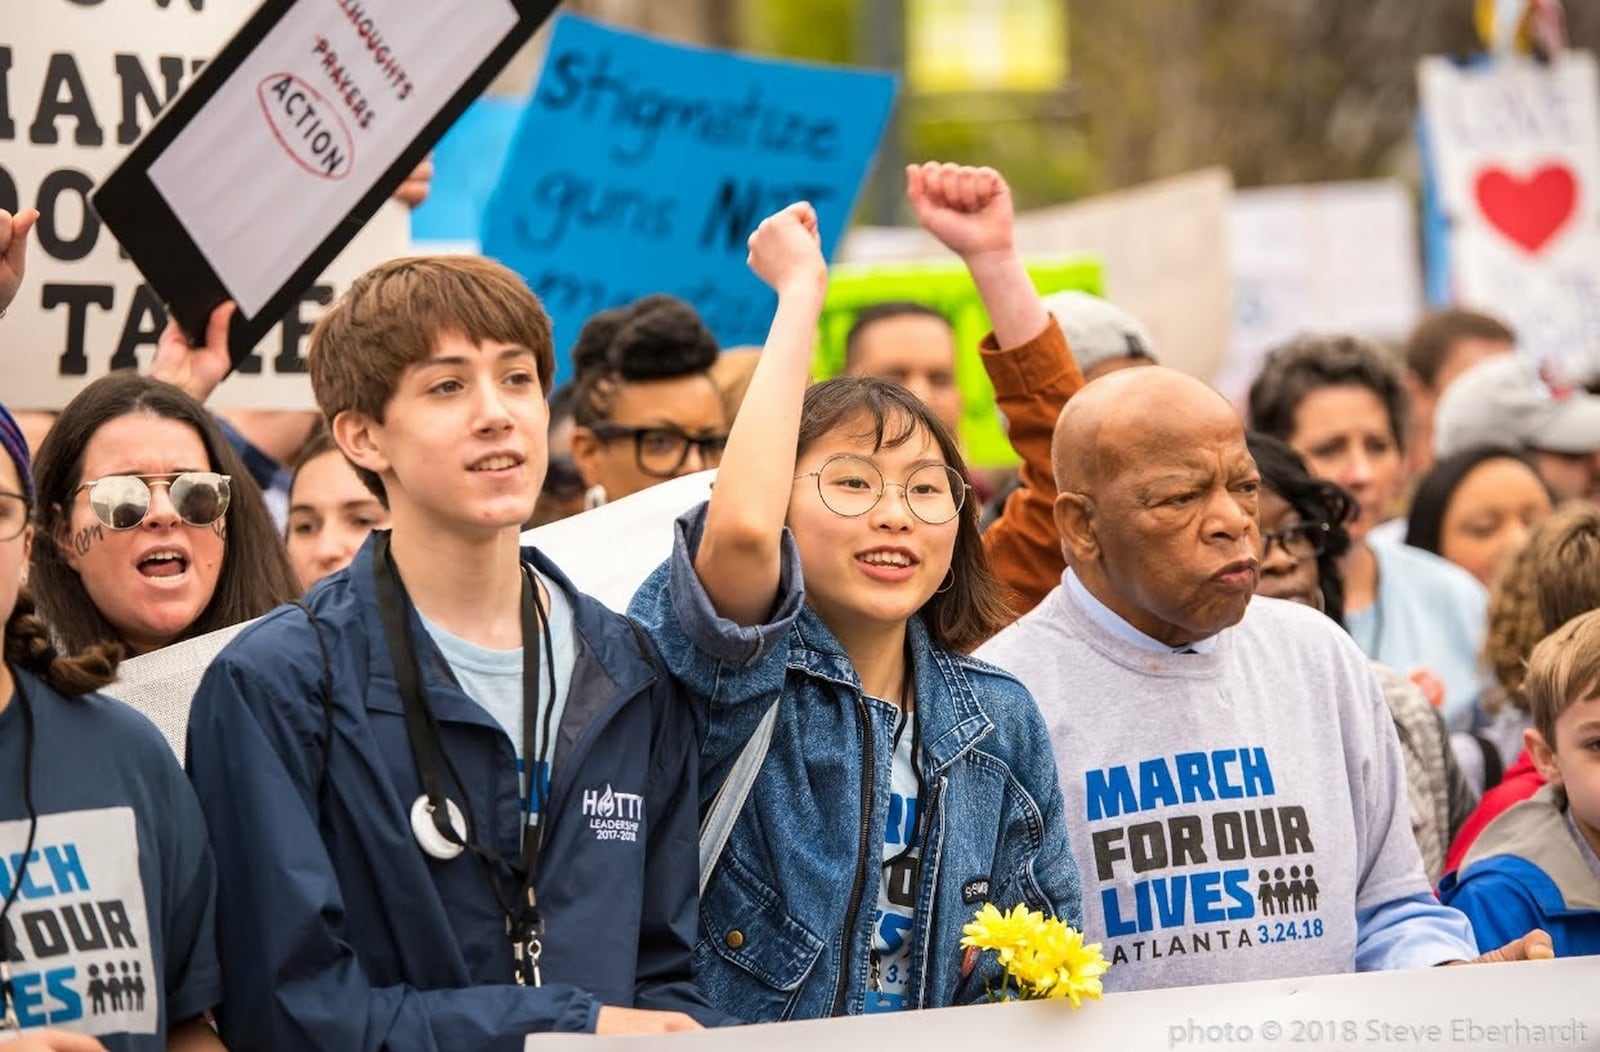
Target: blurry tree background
(1278,91)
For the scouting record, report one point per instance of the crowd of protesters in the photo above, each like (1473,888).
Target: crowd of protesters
(1193,678)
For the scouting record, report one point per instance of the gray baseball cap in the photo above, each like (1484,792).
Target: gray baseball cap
(1503,401)
(1098,330)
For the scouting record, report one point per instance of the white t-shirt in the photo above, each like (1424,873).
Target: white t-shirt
(897,892)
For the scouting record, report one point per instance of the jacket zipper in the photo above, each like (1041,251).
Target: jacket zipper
(867,789)
(935,820)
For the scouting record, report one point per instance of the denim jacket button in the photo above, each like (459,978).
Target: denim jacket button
(734,938)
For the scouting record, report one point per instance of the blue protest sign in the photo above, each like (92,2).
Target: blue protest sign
(466,163)
(641,166)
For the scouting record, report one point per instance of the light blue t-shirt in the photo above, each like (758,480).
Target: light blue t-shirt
(493,679)
(897,891)
(1430,615)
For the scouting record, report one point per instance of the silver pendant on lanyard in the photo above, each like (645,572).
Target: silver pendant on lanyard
(433,842)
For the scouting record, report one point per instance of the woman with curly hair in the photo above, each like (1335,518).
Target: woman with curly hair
(1304,537)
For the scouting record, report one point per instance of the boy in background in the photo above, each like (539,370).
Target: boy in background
(1536,866)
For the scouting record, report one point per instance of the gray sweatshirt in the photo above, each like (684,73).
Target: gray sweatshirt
(1232,810)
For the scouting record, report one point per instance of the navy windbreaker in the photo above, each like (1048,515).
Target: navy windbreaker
(336,931)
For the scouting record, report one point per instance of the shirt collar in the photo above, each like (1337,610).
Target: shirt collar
(1112,622)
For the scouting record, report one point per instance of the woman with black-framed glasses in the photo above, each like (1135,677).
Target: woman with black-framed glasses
(1303,537)
(645,406)
(150,528)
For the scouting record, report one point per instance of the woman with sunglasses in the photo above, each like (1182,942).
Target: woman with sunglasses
(1304,535)
(107,890)
(151,530)
(645,405)
(834,581)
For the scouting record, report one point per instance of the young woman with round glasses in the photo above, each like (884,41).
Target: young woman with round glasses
(835,580)
(645,407)
(150,529)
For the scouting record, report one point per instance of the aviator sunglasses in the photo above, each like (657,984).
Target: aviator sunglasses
(121,502)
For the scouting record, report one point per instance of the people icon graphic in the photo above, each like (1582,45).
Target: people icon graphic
(121,988)
(1296,894)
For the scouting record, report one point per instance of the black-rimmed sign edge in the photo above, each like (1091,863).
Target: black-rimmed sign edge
(154,238)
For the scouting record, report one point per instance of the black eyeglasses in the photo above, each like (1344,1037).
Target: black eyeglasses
(851,486)
(14,511)
(1303,540)
(660,451)
(121,502)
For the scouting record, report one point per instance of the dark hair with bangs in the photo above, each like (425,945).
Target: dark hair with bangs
(1284,472)
(973,608)
(392,316)
(255,574)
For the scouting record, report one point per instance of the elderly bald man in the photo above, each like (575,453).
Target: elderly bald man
(1233,781)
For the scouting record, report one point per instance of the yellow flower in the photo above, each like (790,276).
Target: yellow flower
(1005,933)
(1043,956)
(1074,969)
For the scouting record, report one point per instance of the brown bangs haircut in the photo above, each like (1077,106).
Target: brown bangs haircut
(255,575)
(392,316)
(1564,669)
(973,608)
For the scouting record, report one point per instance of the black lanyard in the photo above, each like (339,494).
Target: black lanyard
(524,925)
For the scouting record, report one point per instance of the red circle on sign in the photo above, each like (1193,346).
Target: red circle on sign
(328,122)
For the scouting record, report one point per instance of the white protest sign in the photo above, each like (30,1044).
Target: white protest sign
(1535,1006)
(79,84)
(1164,250)
(1331,257)
(1515,156)
(291,142)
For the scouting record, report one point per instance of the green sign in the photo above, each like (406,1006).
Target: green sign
(948,289)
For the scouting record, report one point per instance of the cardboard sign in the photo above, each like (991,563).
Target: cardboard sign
(642,166)
(1513,151)
(1332,257)
(79,84)
(1164,246)
(291,138)
(948,289)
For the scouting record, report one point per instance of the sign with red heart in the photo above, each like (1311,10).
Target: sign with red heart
(1512,152)
(1529,211)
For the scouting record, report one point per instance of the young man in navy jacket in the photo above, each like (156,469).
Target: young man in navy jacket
(387,877)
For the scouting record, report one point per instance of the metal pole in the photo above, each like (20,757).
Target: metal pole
(882,27)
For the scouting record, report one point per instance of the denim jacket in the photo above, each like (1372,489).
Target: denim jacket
(786,920)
